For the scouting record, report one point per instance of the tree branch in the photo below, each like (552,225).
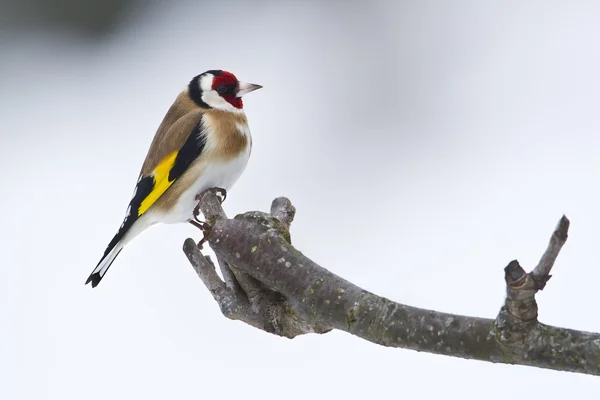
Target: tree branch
(279,290)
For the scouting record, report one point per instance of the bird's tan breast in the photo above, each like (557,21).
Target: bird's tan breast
(223,159)
(229,133)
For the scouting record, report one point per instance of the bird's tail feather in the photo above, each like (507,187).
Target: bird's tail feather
(104,264)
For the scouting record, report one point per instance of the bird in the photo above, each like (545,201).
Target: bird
(203,142)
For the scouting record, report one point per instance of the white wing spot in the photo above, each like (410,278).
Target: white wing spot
(127,214)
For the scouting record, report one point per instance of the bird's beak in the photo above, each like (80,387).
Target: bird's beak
(245,88)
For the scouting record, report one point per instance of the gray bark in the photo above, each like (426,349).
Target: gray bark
(272,286)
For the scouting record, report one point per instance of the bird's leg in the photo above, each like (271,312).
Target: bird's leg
(221,193)
(202,225)
(197,211)
(205,227)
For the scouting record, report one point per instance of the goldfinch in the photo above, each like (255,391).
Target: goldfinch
(203,142)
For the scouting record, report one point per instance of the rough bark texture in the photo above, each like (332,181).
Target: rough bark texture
(272,286)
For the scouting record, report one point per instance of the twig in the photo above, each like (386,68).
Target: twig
(558,239)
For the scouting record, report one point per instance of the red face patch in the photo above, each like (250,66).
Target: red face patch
(226,85)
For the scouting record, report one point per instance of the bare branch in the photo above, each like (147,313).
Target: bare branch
(211,208)
(558,239)
(286,293)
(205,270)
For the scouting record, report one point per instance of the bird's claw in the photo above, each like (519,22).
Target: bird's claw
(221,194)
(197,212)
(204,239)
(205,227)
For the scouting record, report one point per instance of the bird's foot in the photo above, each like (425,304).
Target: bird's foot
(221,194)
(204,239)
(205,227)
(197,211)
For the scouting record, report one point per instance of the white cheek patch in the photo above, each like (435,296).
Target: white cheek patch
(213,99)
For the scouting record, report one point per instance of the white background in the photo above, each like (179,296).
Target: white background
(425,144)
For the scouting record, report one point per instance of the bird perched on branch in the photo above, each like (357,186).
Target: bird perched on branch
(203,142)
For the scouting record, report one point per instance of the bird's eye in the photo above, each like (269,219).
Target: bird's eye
(221,89)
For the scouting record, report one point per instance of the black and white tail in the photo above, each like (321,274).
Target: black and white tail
(112,251)
(132,225)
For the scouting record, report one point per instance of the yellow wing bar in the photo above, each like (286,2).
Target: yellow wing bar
(161,182)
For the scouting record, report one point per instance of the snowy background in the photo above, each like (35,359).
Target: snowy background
(415,138)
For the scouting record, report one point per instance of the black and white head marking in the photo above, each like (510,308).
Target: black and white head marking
(216,89)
